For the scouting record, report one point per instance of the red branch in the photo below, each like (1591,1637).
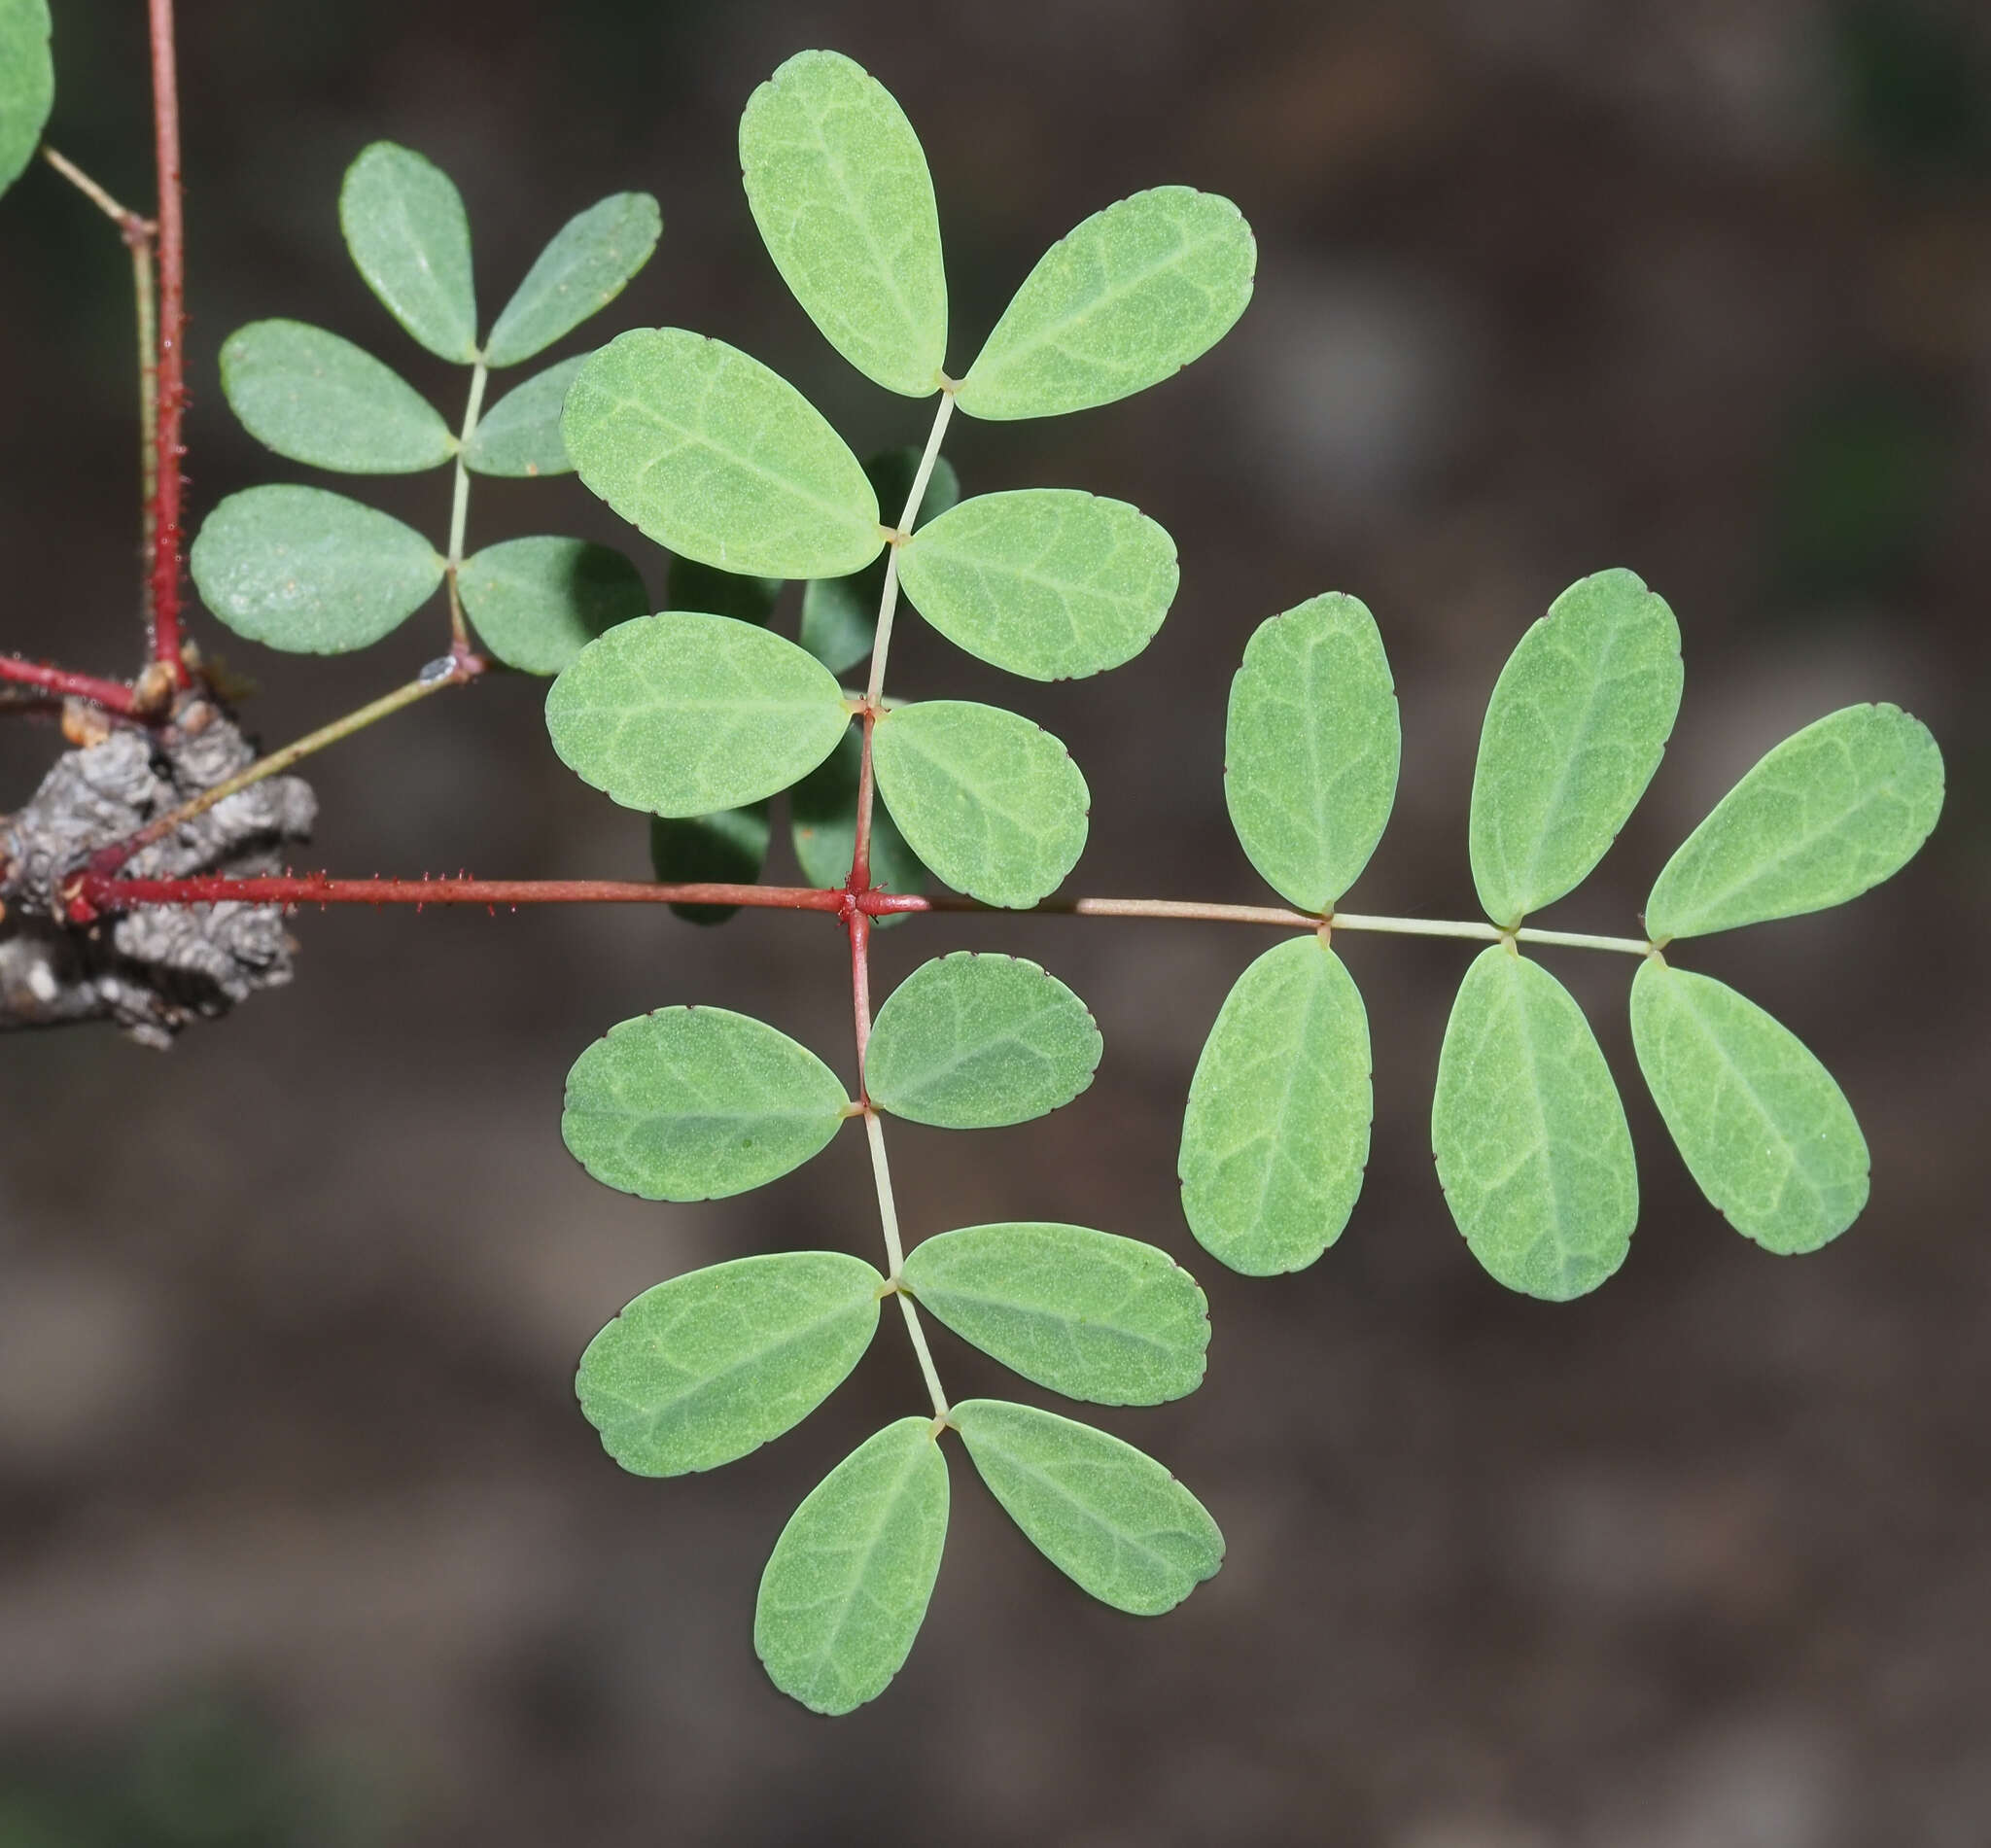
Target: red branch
(173,359)
(91,894)
(858,921)
(113,695)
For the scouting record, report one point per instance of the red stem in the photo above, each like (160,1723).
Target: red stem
(172,362)
(858,921)
(113,695)
(860,859)
(90,895)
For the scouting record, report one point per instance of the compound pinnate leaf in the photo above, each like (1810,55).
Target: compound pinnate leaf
(1762,1128)
(684,713)
(691,585)
(991,802)
(701,1369)
(1532,1146)
(519,436)
(706,451)
(315,397)
(1577,724)
(537,601)
(1085,1314)
(696,1104)
(1310,749)
(585,267)
(1047,582)
(27,83)
(1120,303)
(1106,1516)
(1832,810)
(728,848)
(404,223)
(846,1586)
(840,190)
(824,809)
(310,572)
(1276,1134)
(975,1041)
(840,615)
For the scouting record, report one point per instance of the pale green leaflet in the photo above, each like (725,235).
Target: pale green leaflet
(1276,1134)
(310,572)
(1532,1146)
(709,1366)
(697,1102)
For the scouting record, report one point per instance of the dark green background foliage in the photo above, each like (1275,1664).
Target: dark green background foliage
(285,1351)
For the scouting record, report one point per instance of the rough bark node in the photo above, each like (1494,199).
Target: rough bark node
(151,970)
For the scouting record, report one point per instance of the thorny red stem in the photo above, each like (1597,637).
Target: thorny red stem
(113,695)
(88,896)
(172,363)
(93,892)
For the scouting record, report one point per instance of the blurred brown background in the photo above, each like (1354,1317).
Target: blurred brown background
(302,1539)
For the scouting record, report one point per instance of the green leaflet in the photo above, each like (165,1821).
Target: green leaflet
(1108,1517)
(1832,810)
(585,267)
(840,190)
(1310,749)
(1533,1150)
(1047,582)
(824,807)
(974,1041)
(728,848)
(404,223)
(537,601)
(691,585)
(310,572)
(708,452)
(521,434)
(1763,1130)
(1083,1312)
(315,397)
(1276,1134)
(1575,729)
(991,802)
(701,1369)
(682,713)
(696,1104)
(840,615)
(27,83)
(847,1587)
(1116,306)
